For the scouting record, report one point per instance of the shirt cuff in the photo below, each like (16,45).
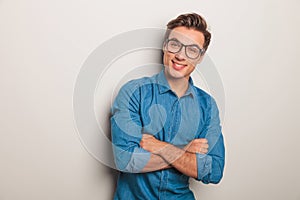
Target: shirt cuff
(204,165)
(138,160)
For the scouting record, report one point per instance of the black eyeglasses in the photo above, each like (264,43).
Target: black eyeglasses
(192,51)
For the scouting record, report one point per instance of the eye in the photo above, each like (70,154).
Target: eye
(174,43)
(193,50)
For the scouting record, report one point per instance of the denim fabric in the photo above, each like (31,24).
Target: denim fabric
(148,105)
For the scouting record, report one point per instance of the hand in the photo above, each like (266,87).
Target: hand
(197,146)
(151,144)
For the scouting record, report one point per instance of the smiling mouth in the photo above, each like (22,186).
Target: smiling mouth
(178,66)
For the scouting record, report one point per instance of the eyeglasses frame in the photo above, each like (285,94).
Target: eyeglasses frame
(202,51)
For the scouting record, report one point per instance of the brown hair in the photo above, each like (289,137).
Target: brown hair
(191,21)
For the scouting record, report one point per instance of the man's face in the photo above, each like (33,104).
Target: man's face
(179,65)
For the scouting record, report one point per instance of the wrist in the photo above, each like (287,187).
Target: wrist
(159,147)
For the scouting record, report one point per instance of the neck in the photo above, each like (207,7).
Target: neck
(179,86)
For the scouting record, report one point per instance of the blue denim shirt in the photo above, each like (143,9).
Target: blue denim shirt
(148,105)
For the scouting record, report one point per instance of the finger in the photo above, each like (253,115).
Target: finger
(203,150)
(201,140)
(145,135)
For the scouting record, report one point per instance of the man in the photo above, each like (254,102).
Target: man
(164,129)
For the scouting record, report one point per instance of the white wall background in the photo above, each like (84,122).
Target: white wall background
(43,45)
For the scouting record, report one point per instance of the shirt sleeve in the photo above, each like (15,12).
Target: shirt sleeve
(211,165)
(126,130)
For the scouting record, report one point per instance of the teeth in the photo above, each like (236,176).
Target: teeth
(178,65)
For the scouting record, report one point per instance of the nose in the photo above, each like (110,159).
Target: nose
(180,55)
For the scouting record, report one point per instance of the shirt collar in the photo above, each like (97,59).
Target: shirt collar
(164,86)
(162,82)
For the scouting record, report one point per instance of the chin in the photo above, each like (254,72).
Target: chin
(174,73)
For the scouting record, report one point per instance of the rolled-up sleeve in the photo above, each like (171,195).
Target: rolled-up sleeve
(211,165)
(126,131)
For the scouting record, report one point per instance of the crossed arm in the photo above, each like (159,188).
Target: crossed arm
(135,152)
(165,155)
(146,153)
